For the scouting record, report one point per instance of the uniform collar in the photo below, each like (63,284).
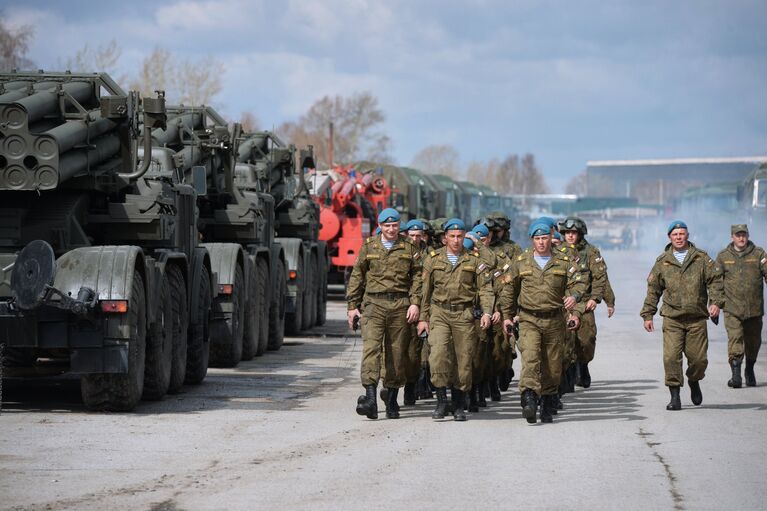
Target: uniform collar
(749,248)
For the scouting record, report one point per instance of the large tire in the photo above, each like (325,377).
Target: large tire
(322,299)
(159,346)
(294,320)
(122,392)
(180,316)
(315,291)
(262,275)
(250,332)
(277,316)
(198,347)
(226,335)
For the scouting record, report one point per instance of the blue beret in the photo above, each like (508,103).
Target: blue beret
(676,224)
(378,230)
(415,225)
(481,230)
(546,220)
(388,215)
(557,235)
(538,228)
(455,224)
(468,243)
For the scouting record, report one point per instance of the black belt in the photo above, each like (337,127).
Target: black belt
(388,296)
(543,314)
(454,307)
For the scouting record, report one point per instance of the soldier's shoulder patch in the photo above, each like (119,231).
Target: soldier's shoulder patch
(598,259)
(764,260)
(501,254)
(497,273)
(417,256)
(475,254)
(433,253)
(481,267)
(520,257)
(650,277)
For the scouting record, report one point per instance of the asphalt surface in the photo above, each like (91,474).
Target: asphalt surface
(280,432)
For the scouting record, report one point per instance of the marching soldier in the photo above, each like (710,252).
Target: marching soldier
(415,230)
(691,285)
(387,278)
(534,289)
(452,278)
(745,269)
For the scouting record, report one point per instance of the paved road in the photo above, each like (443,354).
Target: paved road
(280,432)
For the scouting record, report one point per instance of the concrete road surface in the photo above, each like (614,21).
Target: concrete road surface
(280,432)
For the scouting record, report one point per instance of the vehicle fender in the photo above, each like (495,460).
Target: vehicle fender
(294,249)
(224,258)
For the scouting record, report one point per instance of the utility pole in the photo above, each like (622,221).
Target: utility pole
(330,145)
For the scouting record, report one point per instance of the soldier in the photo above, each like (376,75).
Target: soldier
(387,279)
(534,289)
(691,285)
(452,279)
(745,268)
(415,230)
(575,230)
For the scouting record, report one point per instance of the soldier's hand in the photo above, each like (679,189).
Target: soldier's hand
(569,302)
(496,318)
(591,305)
(648,325)
(423,326)
(573,322)
(610,311)
(713,310)
(350,315)
(412,313)
(485,321)
(507,326)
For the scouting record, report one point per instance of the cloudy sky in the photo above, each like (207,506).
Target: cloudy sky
(569,81)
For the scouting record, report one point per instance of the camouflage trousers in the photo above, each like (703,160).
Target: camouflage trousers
(480,364)
(585,338)
(385,335)
(452,340)
(540,348)
(744,337)
(417,355)
(688,337)
(502,351)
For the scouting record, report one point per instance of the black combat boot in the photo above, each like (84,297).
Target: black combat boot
(409,397)
(504,379)
(422,387)
(367,404)
(696,396)
(441,409)
(459,404)
(529,406)
(474,399)
(736,381)
(453,400)
(481,399)
(556,403)
(392,407)
(563,387)
(571,377)
(585,375)
(749,373)
(495,392)
(676,402)
(546,409)
(384,394)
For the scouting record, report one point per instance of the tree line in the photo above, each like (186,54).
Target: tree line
(358,120)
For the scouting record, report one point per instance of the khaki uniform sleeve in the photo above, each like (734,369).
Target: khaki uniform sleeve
(355,288)
(763,265)
(416,277)
(577,281)
(598,270)
(609,295)
(655,287)
(485,289)
(509,297)
(427,286)
(714,276)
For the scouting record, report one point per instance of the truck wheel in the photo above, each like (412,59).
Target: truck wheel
(250,335)
(198,347)
(262,270)
(277,316)
(180,316)
(159,346)
(294,320)
(315,280)
(322,299)
(121,392)
(226,335)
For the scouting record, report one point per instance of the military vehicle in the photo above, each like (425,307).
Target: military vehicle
(278,169)
(412,194)
(752,196)
(471,202)
(103,275)
(448,195)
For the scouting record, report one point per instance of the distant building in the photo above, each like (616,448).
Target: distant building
(660,181)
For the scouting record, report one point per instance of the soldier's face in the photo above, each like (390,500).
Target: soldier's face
(571,237)
(542,244)
(454,240)
(416,236)
(679,238)
(740,240)
(389,230)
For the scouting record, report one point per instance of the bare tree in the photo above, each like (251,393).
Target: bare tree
(14,45)
(439,159)
(578,184)
(249,122)
(99,59)
(519,176)
(356,122)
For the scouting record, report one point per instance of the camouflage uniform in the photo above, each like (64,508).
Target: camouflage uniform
(687,289)
(503,349)
(586,336)
(387,282)
(744,274)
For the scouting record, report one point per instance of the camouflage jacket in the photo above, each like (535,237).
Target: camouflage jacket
(686,288)
(592,259)
(460,284)
(744,274)
(508,248)
(527,286)
(378,270)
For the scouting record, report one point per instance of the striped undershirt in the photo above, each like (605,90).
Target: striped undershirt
(453,258)
(680,256)
(387,244)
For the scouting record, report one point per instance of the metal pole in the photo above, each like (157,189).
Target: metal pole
(330,146)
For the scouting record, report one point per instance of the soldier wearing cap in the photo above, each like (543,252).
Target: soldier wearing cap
(387,278)
(745,269)
(534,288)
(692,289)
(453,277)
